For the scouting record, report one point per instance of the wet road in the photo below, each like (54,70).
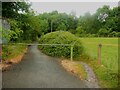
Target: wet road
(39,71)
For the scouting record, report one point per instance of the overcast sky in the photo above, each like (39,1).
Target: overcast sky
(79,7)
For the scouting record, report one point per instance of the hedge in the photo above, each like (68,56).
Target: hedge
(61,37)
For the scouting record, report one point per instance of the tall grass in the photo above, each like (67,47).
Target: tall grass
(10,51)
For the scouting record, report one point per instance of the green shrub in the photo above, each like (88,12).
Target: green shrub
(61,37)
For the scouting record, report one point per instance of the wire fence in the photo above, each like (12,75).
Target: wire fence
(106,54)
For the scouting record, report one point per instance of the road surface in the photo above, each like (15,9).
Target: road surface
(38,70)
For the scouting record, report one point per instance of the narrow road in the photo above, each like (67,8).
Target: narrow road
(38,70)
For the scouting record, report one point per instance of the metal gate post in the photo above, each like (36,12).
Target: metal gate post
(71,53)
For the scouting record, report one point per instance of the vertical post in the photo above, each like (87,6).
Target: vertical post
(71,53)
(99,53)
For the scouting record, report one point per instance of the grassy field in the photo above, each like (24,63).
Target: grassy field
(107,73)
(109,51)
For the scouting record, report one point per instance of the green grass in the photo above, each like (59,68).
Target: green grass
(106,78)
(11,51)
(107,73)
(109,51)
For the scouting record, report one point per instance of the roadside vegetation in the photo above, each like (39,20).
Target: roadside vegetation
(107,78)
(12,54)
(76,68)
(17,28)
(12,51)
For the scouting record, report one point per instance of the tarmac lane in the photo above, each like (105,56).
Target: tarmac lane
(38,70)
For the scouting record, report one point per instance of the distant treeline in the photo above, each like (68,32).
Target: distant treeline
(27,26)
(103,23)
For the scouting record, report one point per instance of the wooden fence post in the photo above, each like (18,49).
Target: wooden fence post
(99,53)
(71,57)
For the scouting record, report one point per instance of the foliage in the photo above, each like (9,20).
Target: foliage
(62,27)
(11,51)
(15,31)
(14,9)
(61,37)
(114,34)
(80,32)
(103,32)
(58,21)
(30,25)
(44,26)
(104,21)
(7,34)
(25,25)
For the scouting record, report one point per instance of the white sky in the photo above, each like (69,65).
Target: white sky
(74,0)
(79,6)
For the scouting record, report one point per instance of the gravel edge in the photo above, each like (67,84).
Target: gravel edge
(91,80)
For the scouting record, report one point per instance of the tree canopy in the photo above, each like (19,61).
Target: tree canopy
(24,23)
(27,26)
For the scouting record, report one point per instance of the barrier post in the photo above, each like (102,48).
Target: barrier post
(99,53)
(71,57)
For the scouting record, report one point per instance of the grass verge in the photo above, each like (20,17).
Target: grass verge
(75,67)
(106,78)
(12,54)
(11,51)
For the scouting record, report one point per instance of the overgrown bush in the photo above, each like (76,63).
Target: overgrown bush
(61,37)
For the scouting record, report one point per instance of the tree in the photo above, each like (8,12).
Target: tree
(118,34)
(62,27)
(103,18)
(23,21)
(59,20)
(88,23)
(15,31)
(113,34)
(79,31)
(44,27)
(30,25)
(13,9)
(103,32)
